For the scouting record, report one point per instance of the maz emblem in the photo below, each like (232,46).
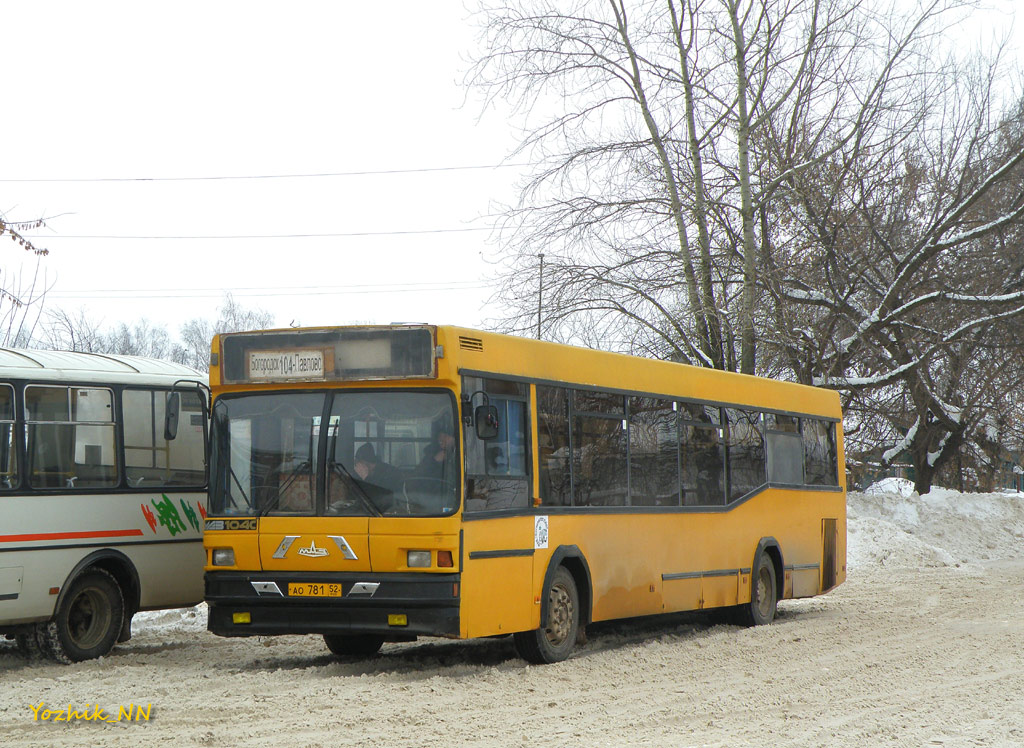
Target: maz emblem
(313,551)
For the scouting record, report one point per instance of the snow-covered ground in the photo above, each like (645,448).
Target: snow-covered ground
(922,646)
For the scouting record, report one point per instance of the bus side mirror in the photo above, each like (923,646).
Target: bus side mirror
(171,414)
(486,419)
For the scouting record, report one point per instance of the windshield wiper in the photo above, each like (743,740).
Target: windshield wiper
(303,467)
(231,472)
(364,498)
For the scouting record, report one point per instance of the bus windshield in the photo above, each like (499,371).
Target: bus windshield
(382,453)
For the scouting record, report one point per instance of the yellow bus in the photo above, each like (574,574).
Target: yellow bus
(375,484)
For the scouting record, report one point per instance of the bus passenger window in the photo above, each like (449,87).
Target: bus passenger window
(152,461)
(553,445)
(819,452)
(8,446)
(496,474)
(784,449)
(653,453)
(745,450)
(599,461)
(701,455)
(70,434)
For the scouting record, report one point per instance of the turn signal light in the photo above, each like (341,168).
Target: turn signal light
(444,558)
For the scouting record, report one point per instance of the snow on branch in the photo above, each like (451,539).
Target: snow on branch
(891,454)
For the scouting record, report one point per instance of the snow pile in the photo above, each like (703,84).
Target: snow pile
(178,620)
(890,525)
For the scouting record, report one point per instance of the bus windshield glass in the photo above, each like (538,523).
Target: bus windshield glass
(381,453)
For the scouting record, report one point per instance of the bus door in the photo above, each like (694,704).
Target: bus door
(499,532)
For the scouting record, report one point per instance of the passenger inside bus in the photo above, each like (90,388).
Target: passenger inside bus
(439,457)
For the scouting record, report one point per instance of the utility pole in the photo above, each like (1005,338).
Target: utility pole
(540,293)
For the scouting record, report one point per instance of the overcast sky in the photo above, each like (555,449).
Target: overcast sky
(158,91)
(132,102)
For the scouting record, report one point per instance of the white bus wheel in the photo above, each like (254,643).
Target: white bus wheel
(88,620)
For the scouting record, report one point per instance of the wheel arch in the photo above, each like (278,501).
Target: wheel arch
(119,566)
(770,546)
(572,558)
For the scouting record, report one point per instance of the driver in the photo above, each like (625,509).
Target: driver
(370,470)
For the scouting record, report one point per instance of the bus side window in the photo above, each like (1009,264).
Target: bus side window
(701,455)
(745,452)
(784,448)
(8,445)
(820,456)
(151,460)
(496,474)
(553,445)
(95,463)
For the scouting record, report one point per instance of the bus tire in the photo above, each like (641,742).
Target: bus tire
(763,594)
(353,645)
(88,620)
(28,642)
(556,639)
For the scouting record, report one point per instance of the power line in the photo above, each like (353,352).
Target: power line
(48,237)
(315,175)
(369,287)
(218,293)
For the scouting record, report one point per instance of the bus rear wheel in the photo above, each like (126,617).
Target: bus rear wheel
(556,639)
(763,594)
(28,642)
(354,645)
(88,619)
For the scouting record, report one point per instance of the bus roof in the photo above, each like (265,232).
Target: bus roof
(18,363)
(465,350)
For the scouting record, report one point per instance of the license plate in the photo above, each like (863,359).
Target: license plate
(303,589)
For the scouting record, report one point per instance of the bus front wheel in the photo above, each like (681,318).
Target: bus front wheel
(355,645)
(763,594)
(88,620)
(556,639)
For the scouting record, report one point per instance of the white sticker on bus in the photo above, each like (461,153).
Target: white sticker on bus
(540,532)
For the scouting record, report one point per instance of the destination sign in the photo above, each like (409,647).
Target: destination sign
(285,365)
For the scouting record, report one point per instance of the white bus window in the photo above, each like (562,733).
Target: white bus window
(152,461)
(70,436)
(8,447)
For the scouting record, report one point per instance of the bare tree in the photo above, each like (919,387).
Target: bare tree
(77,332)
(197,334)
(912,272)
(672,118)
(21,293)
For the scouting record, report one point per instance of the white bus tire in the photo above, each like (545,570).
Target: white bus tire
(88,620)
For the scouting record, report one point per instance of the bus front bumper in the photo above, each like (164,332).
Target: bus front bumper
(398,606)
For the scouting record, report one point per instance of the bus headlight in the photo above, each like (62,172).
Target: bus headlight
(223,557)
(418,558)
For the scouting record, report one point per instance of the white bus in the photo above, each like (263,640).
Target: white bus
(101,507)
